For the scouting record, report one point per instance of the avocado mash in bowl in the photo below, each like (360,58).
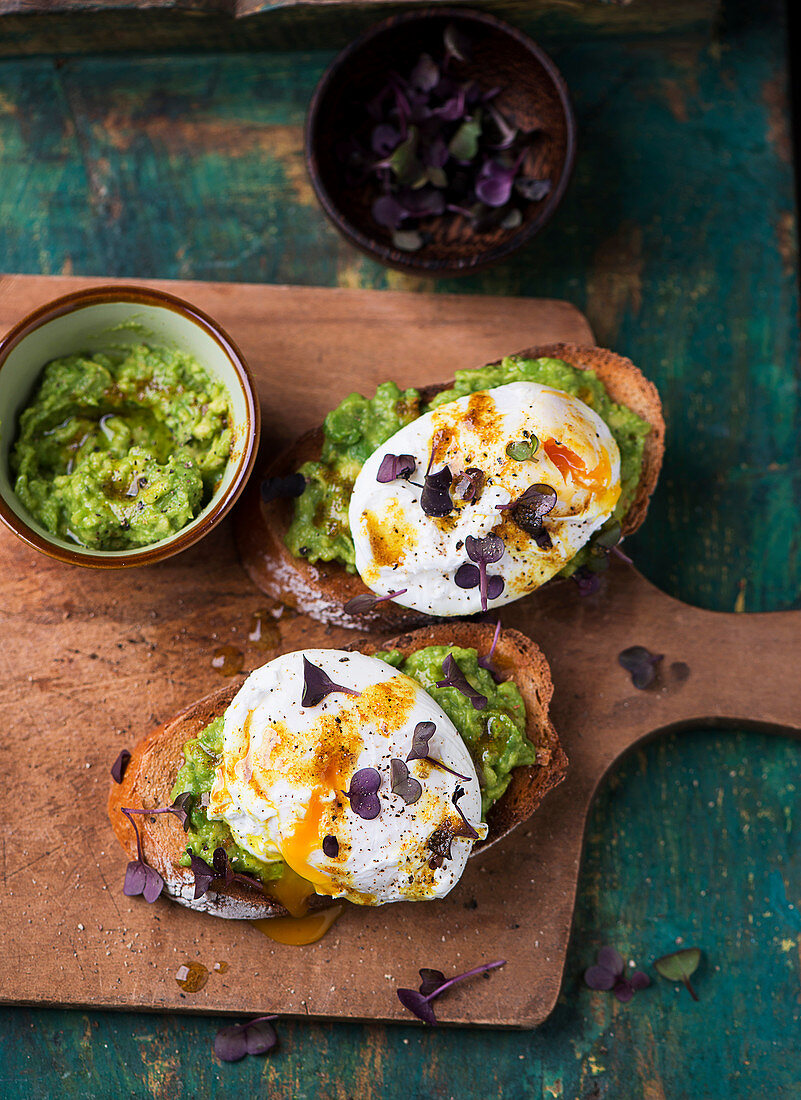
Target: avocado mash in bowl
(128,426)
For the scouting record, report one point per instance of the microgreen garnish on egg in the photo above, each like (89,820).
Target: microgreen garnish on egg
(419,1003)
(435,499)
(468,485)
(119,766)
(367,601)
(641,664)
(140,877)
(403,784)
(531,507)
(258,1036)
(276,488)
(483,551)
(486,661)
(466,830)
(395,466)
(362,793)
(455,678)
(330,846)
(523,449)
(317,684)
(423,732)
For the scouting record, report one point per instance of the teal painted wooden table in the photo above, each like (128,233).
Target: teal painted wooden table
(678,240)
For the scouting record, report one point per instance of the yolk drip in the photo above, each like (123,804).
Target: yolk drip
(292,891)
(299,931)
(297,848)
(568,462)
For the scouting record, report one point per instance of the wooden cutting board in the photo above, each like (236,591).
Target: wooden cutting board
(92,660)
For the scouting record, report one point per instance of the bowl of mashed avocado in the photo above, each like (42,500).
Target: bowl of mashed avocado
(128,426)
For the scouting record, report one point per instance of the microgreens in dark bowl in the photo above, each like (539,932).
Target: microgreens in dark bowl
(440,140)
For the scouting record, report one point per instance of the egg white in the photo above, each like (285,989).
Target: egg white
(399,547)
(283,774)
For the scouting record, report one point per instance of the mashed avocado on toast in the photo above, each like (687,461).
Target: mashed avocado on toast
(118,452)
(358,426)
(495,738)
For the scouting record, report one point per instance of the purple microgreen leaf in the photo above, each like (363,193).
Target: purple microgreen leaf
(140,877)
(599,977)
(488,549)
(641,664)
(407,240)
(452,110)
(679,966)
(317,684)
(523,449)
(468,485)
(431,980)
(612,960)
(409,788)
(367,601)
(495,586)
(330,846)
(435,154)
(467,576)
(222,865)
(420,1004)
(435,499)
(423,732)
(466,829)
(623,990)
(455,678)
(275,488)
(530,508)
(494,184)
(258,1036)
(119,766)
(486,661)
(639,980)
(203,872)
(395,466)
(609,973)
(425,74)
(387,211)
(384,139)
(182,807)
(587,582)
(533,190)
(362,793)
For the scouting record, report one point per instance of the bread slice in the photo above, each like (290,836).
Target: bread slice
(155,761)
(321,590)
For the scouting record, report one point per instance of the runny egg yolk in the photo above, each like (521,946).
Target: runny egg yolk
(568,463)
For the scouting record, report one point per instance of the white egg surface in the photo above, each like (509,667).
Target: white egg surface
(400,547)
(286,767)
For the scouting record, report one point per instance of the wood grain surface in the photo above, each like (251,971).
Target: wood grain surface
(678,241)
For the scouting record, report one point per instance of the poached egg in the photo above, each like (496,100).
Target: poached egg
(568,447)
(282,782)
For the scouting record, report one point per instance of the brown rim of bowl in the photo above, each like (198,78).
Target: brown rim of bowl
(413,261)
(138,295)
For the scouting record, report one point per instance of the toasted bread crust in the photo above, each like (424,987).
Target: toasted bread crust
(322,590)
(155,762)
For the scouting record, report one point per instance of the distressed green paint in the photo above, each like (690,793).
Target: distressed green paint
(677,237)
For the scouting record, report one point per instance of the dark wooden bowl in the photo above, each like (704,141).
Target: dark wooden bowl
(533,92)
